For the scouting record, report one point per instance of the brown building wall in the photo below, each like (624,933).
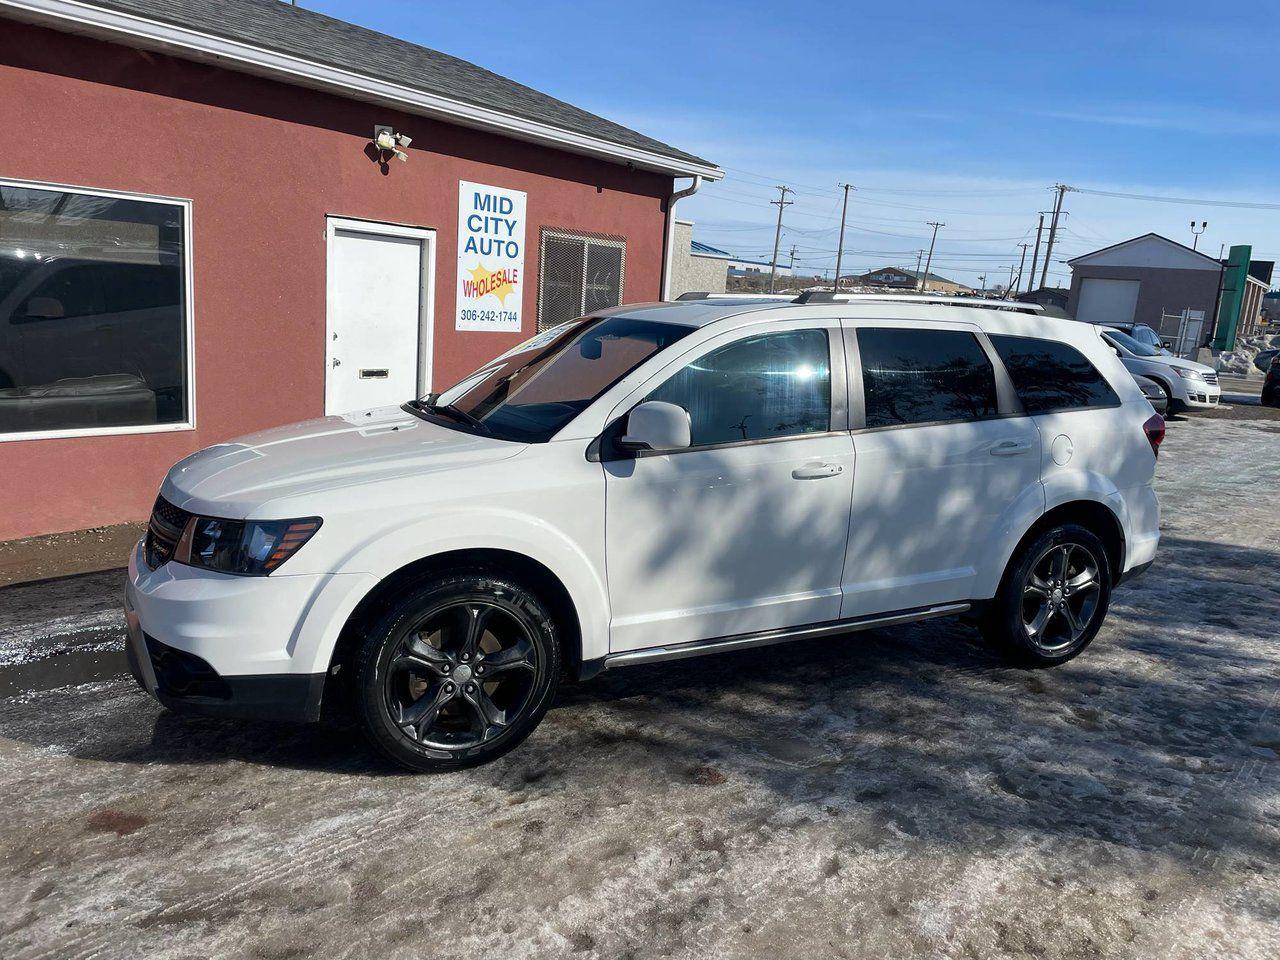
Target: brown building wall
(1161,290)
(263,164)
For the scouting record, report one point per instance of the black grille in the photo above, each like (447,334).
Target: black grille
(167,523)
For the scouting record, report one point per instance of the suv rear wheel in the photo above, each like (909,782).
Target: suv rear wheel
(457,672)
(1053,598)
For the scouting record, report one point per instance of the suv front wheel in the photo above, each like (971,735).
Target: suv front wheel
(457,672)
(1053,598)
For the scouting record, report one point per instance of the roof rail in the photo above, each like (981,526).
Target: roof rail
(827,296)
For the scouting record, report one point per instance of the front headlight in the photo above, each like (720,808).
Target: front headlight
(249,548)
(1186,374)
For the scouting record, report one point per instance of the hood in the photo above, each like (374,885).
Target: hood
(235,479)
(1184,364)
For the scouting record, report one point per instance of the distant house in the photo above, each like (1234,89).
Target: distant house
(744,268)
(904,279)
(696,265)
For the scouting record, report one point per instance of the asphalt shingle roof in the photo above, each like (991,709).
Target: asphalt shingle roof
(284,28)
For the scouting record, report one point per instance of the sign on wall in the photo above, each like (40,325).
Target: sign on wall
(491,227)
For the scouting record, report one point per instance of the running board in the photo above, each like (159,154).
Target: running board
(745,641)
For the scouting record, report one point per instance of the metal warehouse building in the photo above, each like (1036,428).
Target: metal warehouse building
(206,228)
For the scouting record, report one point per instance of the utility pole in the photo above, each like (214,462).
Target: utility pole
(924,277)
(781,203)
(1195,234)
(1009,286)
(1053,231)
(1035,257)
(840,249)
(982,283)
(793,260)
(1021,263)
(919,257)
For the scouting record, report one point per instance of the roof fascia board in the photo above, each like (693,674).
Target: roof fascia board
(115,25)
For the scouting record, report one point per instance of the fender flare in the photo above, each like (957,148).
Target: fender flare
(388,551)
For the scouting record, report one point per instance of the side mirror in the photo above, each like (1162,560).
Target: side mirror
(657,425)
(44,308)
(1167,344)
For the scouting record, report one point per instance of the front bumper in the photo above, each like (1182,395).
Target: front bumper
(234,646)
(1202,395)
(185,683)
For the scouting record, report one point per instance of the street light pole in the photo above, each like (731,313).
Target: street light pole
(1195,234)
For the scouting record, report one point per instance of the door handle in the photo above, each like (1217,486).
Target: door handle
(1010,448)
(817,471)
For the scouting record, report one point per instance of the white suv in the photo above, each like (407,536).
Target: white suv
(648,483)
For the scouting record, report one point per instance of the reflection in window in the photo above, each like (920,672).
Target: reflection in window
(763,387)
(924,376)
(92,314)
(1049,375)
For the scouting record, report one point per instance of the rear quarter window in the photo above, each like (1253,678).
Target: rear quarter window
(1052,376)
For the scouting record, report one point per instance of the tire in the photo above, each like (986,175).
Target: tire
(419,692)
(1072,617)
(1171,406)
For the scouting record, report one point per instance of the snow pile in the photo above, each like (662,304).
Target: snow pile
(1239,362)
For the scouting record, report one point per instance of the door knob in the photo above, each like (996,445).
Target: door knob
(337,362)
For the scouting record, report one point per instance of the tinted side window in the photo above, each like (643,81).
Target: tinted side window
(1049,375)
(923,376)
(764,387)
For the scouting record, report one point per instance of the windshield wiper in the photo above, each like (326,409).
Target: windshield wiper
(428,405)
(449,410)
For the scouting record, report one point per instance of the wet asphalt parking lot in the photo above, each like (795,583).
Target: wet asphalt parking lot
(887,794)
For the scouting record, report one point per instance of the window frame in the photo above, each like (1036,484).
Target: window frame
(189,357)
(1007,403)
(604,449)
(587,240)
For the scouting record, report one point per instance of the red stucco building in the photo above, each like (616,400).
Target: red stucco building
(201,236)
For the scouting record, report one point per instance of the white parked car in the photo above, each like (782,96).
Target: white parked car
(649,483)
(1185,382)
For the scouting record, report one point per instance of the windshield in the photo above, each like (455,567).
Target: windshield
(1136,347)
(530,392)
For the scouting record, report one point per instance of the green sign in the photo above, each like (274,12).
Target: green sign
(1234,280)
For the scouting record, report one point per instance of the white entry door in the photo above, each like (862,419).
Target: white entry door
(378,331)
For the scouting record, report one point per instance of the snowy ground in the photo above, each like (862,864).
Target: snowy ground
(883,795)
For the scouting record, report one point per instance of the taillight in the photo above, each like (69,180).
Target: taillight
(1154,429)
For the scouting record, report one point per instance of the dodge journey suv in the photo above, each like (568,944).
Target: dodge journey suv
(649,483)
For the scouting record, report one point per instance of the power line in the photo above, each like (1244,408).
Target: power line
(1241,204)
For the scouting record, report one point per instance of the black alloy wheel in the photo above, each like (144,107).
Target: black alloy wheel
(458,672)
(1053,598)
(1060,596)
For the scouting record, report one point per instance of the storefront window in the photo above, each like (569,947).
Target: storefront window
(93,313)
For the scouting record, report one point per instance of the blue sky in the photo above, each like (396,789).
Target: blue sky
(965,113)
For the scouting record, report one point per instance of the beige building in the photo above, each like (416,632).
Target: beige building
(696,266)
